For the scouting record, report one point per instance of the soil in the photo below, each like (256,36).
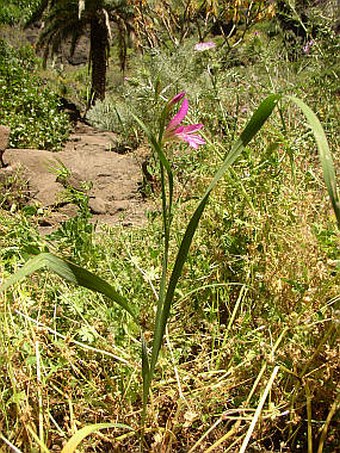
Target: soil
(114,179)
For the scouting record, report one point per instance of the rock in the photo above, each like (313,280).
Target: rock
(119,206)
(112,179)
(6,173)
(69,210)
(4,139)
(97,205)
(73,180)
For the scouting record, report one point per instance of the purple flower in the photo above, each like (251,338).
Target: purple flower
(174,130)
(309,44)
(201,46)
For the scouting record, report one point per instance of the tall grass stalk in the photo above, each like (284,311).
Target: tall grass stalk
(13,448)
(259,409)
(236,427)
(169,280)
(335,407)
(40,396)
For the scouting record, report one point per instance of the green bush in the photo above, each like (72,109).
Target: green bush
(14,11)
(28,107)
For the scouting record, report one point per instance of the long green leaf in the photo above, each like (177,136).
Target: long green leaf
(80,435)
(145,376)
(71,273)
(255,124)
(155,144)
(324,155)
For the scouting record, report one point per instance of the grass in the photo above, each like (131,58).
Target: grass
(250,353)
(209,366)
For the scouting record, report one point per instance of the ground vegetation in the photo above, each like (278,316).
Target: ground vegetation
(214,326)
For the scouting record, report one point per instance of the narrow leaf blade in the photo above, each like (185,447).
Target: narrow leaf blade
(80,435)
(324,154)
(145,375)
(71,273)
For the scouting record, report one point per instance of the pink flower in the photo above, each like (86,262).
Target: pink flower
(307,47)
(174,130)
(201,46)
(176,98)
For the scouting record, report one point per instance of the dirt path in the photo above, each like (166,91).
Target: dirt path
(89,157)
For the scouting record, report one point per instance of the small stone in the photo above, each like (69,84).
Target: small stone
(69,210)
(74,180)
(119,206)
(4,139)
(97,206)
(6,173)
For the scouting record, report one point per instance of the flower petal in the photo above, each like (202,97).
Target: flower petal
(179,117)
(194,140)
(188,129)
(176,98)
(185,133)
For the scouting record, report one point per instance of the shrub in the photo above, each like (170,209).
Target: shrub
(30,110)
(14,11)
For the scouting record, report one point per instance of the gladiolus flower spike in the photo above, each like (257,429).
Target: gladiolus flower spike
(174,130)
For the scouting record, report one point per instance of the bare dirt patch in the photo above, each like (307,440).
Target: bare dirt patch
(114,179)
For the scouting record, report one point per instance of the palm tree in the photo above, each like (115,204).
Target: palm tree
(69,20)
